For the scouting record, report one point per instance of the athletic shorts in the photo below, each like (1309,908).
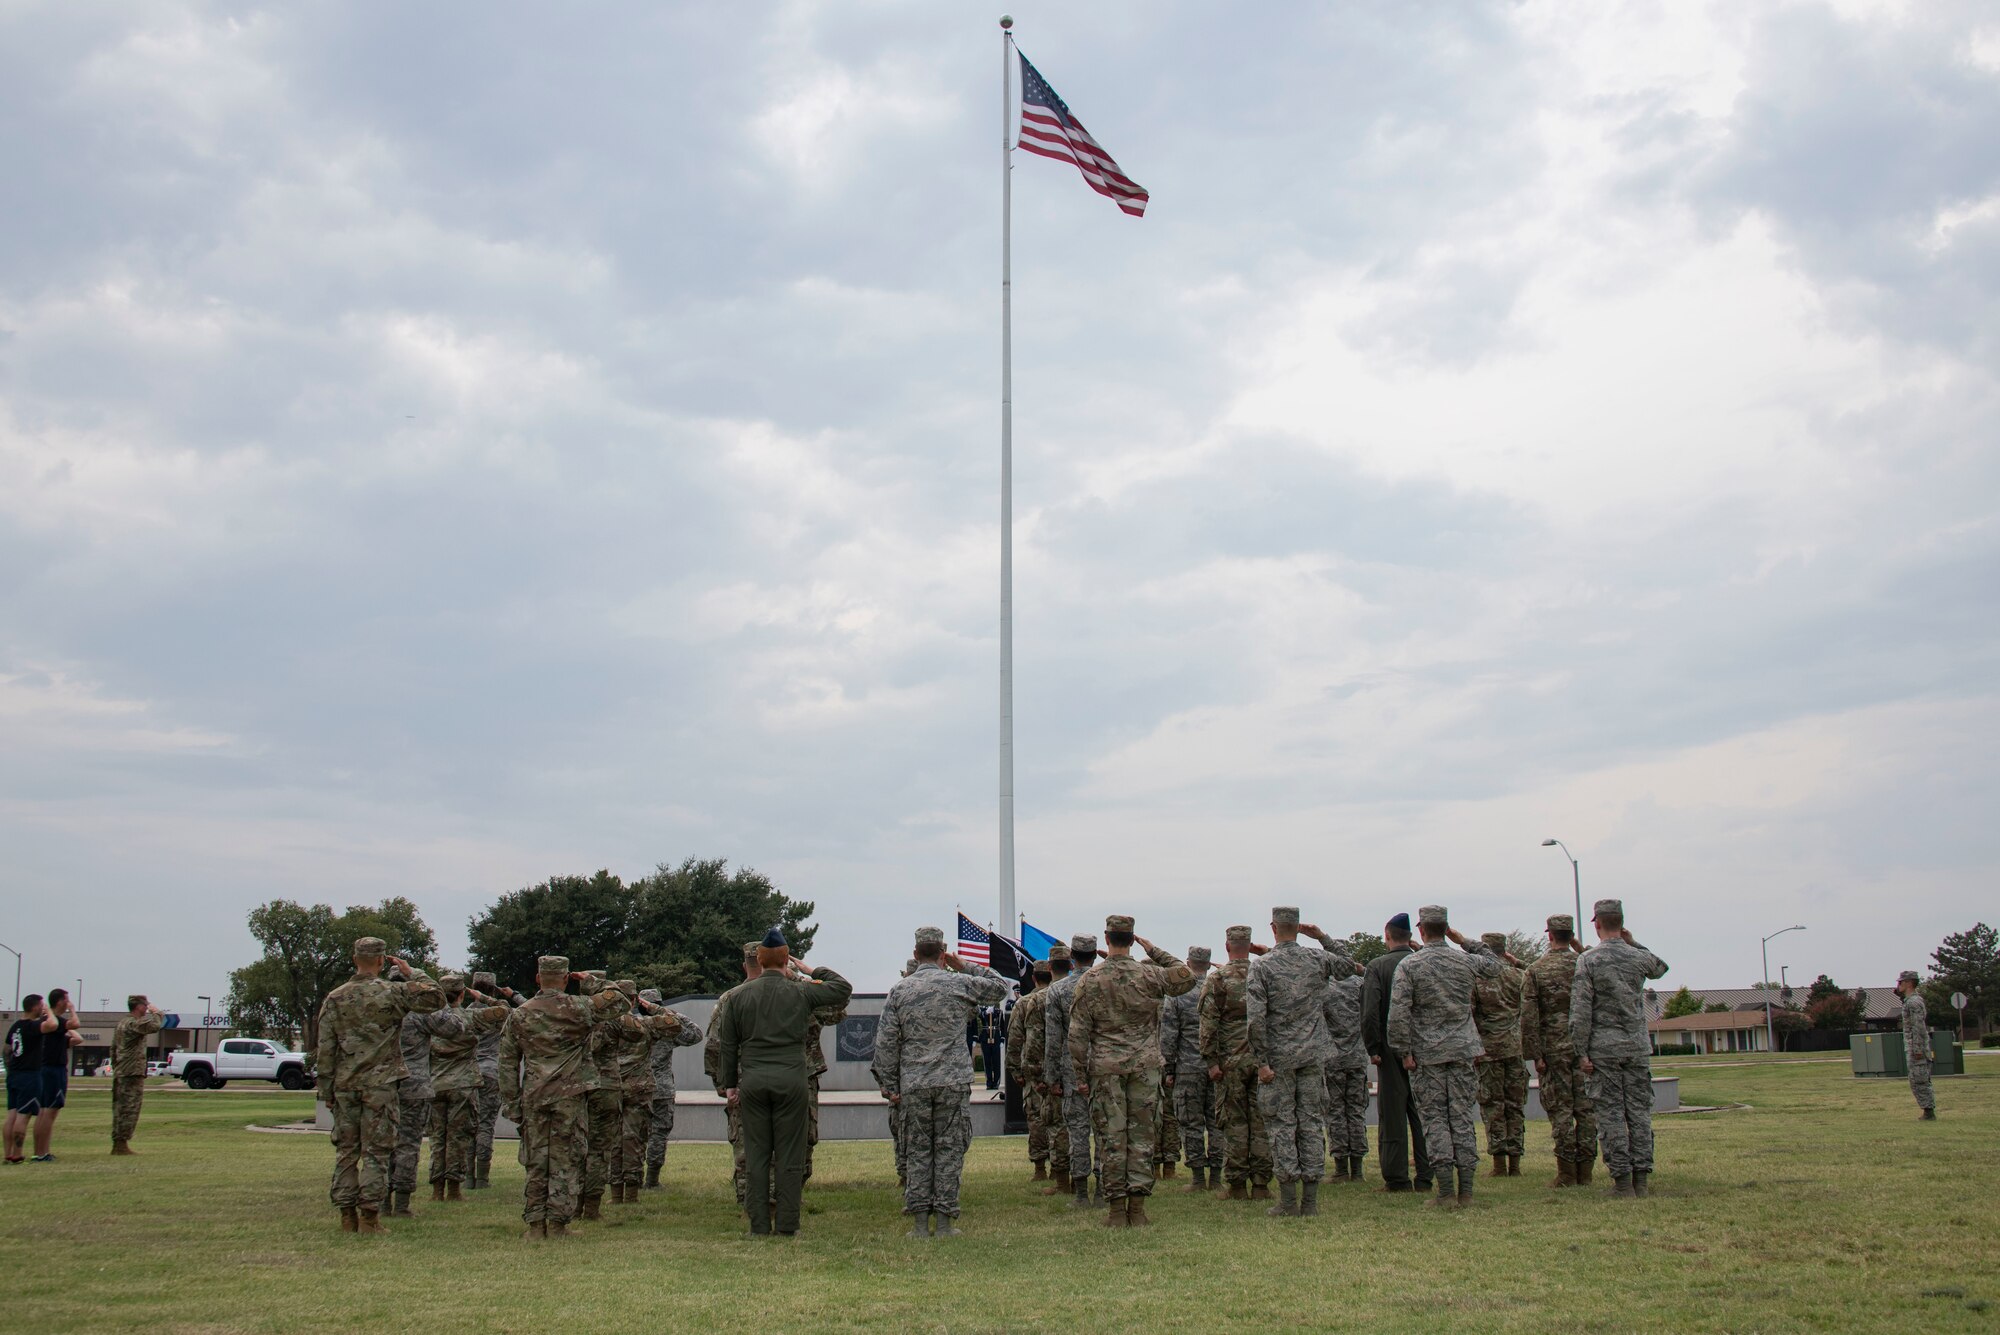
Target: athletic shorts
(24,1092)
(55,1088)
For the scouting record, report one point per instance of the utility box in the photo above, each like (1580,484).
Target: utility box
(1950,1058)
(1884,1054)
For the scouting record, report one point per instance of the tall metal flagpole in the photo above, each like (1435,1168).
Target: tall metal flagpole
(1006,471)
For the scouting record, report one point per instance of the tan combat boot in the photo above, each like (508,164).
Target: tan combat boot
(1167,1169)
(1499,1168)
(452,1193)
(535,1232)
(1041,1171)
(1058,1185)
(1584,1169)
(1237,1192)
(1135,1212)
(437,1191)
(370,1222)
(1260,1191)
(593,1208)
(1565,1174)
(1115,1215)
(617,1193)
(349,1221)
(1513,1165)
(559,1229)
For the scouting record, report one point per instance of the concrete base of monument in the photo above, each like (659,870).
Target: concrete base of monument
(855,1115)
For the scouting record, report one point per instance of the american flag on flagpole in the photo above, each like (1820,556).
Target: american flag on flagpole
(973,943)
(1048,129)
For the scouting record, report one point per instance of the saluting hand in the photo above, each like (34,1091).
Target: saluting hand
(1256,949)
(1265,1075)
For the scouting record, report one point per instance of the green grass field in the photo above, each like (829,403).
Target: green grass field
(1817,1203)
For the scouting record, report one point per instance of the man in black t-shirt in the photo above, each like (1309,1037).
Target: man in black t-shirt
(24,1073)
(60,1033)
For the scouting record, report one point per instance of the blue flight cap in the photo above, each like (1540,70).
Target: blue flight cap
(774,940)
(1401,922)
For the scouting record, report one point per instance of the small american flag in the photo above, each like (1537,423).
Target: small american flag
(973,943)
(1047,128)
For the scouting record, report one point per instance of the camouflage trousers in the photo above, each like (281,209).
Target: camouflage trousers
(812,1124)
(1447,1099)
(1196,1113)
(364,1141)
(901,1146)
(128,1092)
(1347,1112)
(1246,1149)
(1295,1121)
(1124,1110)
(485,1112)
(1566,1103)
(1920,1085)
(659,1126)
(937,1131)
(1622,1094)
(628,1158)
(1076,1123)
(451,1135)
(605,1112)
(1057,1133)
(1503,1104)
(552,1150)
(1166,1127)
(413,1118)
(1038,1130)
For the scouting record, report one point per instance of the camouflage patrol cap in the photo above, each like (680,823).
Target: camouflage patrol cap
(1614,907)
(650,995)
(1198,957)
(1042,969)
(1285,915)
(485,980)
(749,952)
(629,986)
(1908,976)
(909,967)
(1432,915)
(1058,951)
(1493,940)
(1561,922)
(930,936)
(1118,922)
(552,964)
(1237,935)
(1083,943)
(452,982)
(370,947)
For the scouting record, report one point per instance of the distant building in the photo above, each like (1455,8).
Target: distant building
(1883,1006)
(1722,1031)
(97,1028)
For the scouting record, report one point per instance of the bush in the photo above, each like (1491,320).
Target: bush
(1675,1050)
(1990,1041)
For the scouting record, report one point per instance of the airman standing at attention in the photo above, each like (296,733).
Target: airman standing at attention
(1057,1072)
(1917,1042)
(128,1069)
(1545,1042)
(1022,1023)
(1503,1079)
(1346,1081)
(1225,1046)
(1185,1076)
(1033,1061)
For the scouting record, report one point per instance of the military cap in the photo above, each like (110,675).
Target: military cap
(1614,907)
(1118,922)
(909,967)
(1042,969)
(485,980)
(452,982)
(1285,916)
(370,947)
(1401,922)
(650,995)
(629,986)
(551,964)
(930,936)
(1236,935)
(1058,951)
(1197,957)
(1083,943)
(1432,915)
(773,939)
(1908,976)
(1561,922)
(1493,940)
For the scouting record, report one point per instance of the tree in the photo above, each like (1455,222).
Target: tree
(1822,987)
(680,929)
(1526,948)
(1365,947)
(1681,1003)
(1967,962)
(309,951)
(1717,1008)
(1835,1010)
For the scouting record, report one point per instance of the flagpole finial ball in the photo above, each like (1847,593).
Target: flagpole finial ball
(1006,20)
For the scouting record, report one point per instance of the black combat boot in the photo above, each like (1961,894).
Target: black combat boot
(920,1225)
(1639,1181)
(1930,1115)
(946,1225)
(1199,1180)
(1097,1191)
(1082,1201)
(652,1177)
(482,1173)
(1288,1200)
(399,1205)
(1308,1198)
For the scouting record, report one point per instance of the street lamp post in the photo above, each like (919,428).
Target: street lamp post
(207,1005)
(1764,948)
(1576,880)
(17,972)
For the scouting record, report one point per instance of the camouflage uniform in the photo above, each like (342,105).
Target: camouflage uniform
(604,1099)
(1286,1016)
(415,1091)
(1056,1065)
(128,1072)
(1346,1077)
(711,1064)
(1023,1022)
(545,1073)
(1607,1026)
(921,1059)
(1114,1047)
(359,1061)
(486,1111)
(1545,1041)
(455,1087)
(826,1013)
(1917,1045)
(1503,1079)
(1430,1019)
(1034,1059)
(1180,1061)
(1225,1043)
(660,1057)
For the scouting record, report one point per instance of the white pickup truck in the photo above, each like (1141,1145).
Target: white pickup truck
(241,1059)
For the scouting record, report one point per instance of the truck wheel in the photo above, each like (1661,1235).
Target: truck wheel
(198,1077)
(292,1078)
(217,1084)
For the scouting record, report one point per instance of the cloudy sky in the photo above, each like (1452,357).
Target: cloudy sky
(443,446)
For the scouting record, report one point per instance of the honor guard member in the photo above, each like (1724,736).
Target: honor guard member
(660,1058)
(1430,1023)
(1607,1025)
(1503,1079)
(128,1069)
(1225,1047)
(1545,1041)
(763,1068)
(1185,1076)
(359,1058)
(1917,1045)
(1114,1058)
